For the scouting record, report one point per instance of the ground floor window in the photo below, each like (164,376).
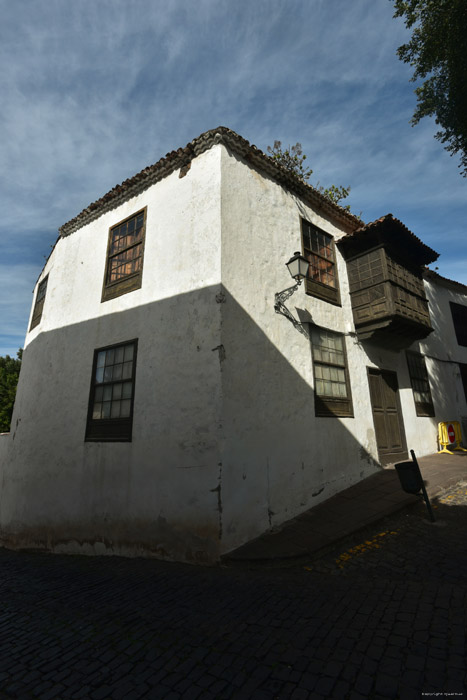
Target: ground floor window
(110,413)
(420,384)
(332,386)
(463,369)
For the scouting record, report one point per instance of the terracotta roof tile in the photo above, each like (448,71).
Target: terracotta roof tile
(391,226)
(183,156)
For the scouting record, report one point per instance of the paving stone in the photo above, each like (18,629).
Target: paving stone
(55,692)
(300,694)
(135,629)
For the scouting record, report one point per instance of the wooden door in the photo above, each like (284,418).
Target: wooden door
(387,416)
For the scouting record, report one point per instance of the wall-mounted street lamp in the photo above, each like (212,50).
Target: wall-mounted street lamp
(298,268)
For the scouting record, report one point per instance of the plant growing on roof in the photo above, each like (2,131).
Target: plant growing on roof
(293,159)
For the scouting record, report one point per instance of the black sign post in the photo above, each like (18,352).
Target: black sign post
(412,482)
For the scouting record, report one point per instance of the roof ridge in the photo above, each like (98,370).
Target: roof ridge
(182,156)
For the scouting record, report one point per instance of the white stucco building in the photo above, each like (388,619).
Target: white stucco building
(165,409)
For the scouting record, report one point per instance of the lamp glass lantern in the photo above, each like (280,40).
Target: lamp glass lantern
(298,266)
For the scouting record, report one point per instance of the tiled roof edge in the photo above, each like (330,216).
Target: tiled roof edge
(389,218)
(431,275)
(182,156)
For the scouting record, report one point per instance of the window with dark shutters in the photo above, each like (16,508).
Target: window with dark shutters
(39,303)
(420,384)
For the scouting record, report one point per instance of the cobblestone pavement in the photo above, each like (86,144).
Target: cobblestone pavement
(382,615)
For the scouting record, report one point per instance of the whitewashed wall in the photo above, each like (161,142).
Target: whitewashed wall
(278,458)
(444,353)
(156,494)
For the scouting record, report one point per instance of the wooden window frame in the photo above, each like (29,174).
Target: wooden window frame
(110,429)
(419,374)
(314,287)
(463,373)
(39,303)
(459,319)
(328,406)
(132,281)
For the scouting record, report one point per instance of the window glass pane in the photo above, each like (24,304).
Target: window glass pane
(106,409)
(101,358)
(107,393)
(119,352)
(110,357)
(99,375)
(115,412)
(41,290)
(96,411)
(320,387)
(108,374)
(335,389)
(125,408)
(127,392)
(127,370)
(117,391)
(117,373)
(98,393)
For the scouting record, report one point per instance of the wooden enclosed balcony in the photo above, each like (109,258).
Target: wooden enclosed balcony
(384,264)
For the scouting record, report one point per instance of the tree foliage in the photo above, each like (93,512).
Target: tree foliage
(9,374)
(293,159)
(438,53)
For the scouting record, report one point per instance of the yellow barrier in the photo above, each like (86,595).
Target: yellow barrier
(449,433)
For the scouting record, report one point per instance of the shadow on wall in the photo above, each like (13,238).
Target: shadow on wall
(225,442)
(445,374)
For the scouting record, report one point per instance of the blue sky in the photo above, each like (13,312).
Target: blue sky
(94,91)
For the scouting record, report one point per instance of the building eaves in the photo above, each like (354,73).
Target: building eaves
(394,231)
(432,276)
(182,157)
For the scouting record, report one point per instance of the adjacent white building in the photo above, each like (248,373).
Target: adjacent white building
(164,408)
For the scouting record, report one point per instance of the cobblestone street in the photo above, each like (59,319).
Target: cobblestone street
(382,615)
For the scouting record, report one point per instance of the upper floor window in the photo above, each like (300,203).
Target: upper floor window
(110,413)
(420,385)
(459,318)
(39,303)
(124,267)
(332,386)
(319,250)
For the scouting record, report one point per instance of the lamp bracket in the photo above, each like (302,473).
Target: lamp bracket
(280,307)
